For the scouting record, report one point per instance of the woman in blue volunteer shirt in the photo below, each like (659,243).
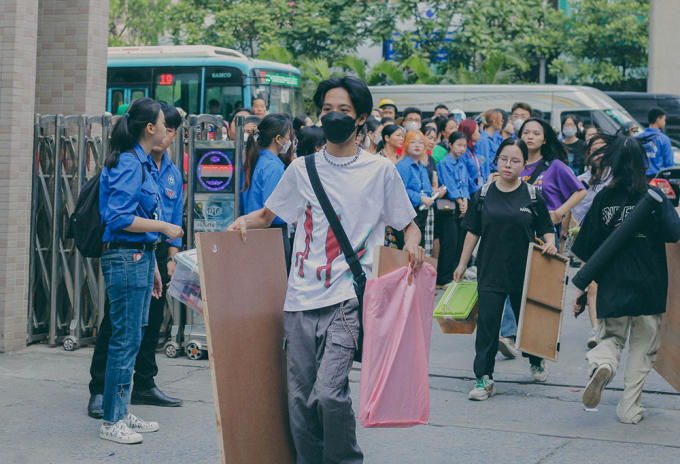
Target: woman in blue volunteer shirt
(414,175)
(129,205)
(263,167)
(453,175)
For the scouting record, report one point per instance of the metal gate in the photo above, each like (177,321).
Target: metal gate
(65,290)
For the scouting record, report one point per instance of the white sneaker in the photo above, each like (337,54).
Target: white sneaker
(506,348)
(539,373)
(593,391)
(483,389)
(119,433)
(592,339)
(138,425)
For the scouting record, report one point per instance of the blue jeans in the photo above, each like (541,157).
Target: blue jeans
(129,282)
(509,324)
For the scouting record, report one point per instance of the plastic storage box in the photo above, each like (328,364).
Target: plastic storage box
(457,311)
(185,285)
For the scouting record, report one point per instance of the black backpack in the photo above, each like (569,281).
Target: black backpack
(85,224)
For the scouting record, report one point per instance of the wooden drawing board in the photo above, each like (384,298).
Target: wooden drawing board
(243,288)
(386,260)
(668,361)
(540,321)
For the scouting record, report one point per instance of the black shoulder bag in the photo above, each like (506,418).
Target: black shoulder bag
(542,166)
(346,247)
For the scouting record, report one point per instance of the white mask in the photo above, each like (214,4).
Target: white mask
(285,147)
(376,139)
(366,143)
(569,132)
(412,126)
(245,138)
(518,124)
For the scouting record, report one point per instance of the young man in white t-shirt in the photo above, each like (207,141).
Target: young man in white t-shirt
(321,320)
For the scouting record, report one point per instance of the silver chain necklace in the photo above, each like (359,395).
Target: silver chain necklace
(341,165)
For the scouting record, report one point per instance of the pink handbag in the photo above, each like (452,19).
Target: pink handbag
(395,387)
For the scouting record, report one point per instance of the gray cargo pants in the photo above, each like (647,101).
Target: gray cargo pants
(320,351)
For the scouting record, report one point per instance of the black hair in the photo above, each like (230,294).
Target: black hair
(427,129)
(213,102)
(387,121)
(241,110)
(356,88)
(515,142)
(599,137)
(654,114)
(387,131)
(506,116)
(396,110)
(299,122)
(624,160)
(129,129)
(308,139)
(412,110)
(538,114)
(267,130)
(573,117)
(372,124)
(440,106)
(252,118)
(262,96)
(552,149)
(457,135)
(172,117)
(522,105)
(427,121)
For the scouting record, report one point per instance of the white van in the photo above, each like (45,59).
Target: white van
(592,105)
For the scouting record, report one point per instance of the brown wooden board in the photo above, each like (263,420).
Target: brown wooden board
(243,289)
(668,361)
(386,260)
(540,320)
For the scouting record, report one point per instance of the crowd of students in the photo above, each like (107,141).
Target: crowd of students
(443,186)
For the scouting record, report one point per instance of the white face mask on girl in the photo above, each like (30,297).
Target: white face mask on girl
(285,147)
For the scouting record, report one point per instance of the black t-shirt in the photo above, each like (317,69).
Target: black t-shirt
(635,282)
(577,156)
(431,168)
(506,226)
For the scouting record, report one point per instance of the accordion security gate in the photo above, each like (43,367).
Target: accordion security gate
(66,291)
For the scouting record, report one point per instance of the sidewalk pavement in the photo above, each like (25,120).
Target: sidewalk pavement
(44,394)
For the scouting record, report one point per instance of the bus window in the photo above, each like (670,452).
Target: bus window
(178,87)
(282,89)
(223,91)
(117,98)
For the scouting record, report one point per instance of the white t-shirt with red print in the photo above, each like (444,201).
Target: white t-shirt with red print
(366,195)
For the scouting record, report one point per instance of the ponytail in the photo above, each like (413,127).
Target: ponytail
(129,129)
(271,126)
(387,131)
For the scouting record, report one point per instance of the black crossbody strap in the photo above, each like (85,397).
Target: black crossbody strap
(542,166)
(346,247)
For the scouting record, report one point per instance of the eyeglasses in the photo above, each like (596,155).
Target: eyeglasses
(417,143)
(514,162)
(411,120)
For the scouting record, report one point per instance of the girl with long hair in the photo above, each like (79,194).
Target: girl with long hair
(632,291)
(392,140)
(263,167)
(129,204)
(477,169)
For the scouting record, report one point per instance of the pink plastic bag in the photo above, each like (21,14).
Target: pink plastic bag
(395,387)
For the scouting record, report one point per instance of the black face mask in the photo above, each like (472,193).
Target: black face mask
(338,127)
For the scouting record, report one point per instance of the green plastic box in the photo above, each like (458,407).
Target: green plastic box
(458,301)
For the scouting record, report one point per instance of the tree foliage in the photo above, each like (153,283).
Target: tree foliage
(456,41)
(606,43)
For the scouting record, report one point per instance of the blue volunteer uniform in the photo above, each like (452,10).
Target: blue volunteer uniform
(659,150)
(497,139)
(476,170)
(453,174)
(485,153)
(266,176)
(171,193)
(415,178)
(123,195)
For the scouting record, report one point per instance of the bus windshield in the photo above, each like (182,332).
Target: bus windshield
(281,91)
